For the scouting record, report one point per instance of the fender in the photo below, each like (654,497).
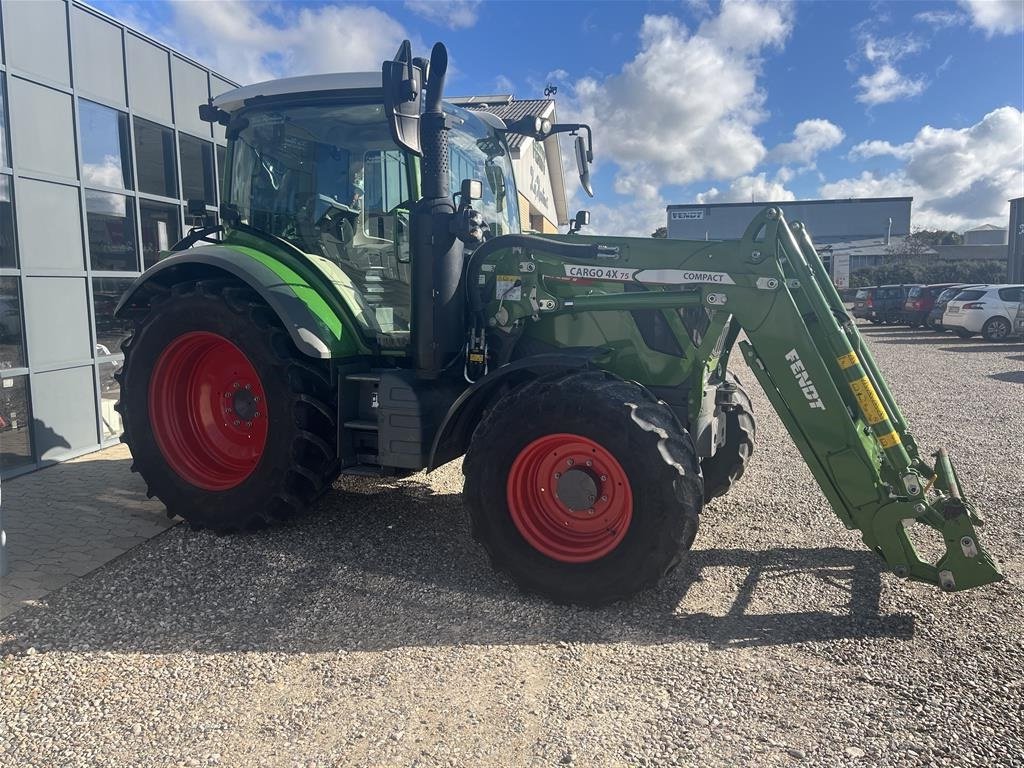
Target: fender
(316,330)
(457,427)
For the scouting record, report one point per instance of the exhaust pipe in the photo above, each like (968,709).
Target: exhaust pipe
(438,300)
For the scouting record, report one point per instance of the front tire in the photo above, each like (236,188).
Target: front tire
(228,423)
(591,498)
(723,470)
(996,329)
(963,334)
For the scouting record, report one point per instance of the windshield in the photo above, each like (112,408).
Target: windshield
(948,294)
(915,292)
(863,293)
(476,152)
(969,295)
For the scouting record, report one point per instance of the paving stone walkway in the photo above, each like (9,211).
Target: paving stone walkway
(67,520)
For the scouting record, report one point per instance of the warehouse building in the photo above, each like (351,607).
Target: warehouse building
(100,146)
(829,221)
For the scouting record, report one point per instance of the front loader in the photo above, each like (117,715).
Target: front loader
(350,315)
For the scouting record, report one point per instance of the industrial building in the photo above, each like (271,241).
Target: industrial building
(850,234)
(1015,246)
(100,146)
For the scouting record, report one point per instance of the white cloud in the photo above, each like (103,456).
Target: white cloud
(942,19)
(958,177)
(810,138)
(686,106)
(454,14)
(996,17)
(887,84)
(250,42)
(747,189)
(638,218)
(503,84)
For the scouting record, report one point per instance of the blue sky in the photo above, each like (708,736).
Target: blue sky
(693,101)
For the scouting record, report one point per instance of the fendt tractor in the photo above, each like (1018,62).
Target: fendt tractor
(349,314)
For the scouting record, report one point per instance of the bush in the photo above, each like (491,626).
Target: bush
(930,272)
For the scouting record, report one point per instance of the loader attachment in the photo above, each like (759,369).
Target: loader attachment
(804,349)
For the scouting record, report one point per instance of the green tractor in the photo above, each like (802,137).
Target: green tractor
(350,315)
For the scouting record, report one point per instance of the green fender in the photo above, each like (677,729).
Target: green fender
(317,329)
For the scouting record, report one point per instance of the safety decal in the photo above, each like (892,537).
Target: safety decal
(506,288)
(848,360)
(889,440)
(868,401)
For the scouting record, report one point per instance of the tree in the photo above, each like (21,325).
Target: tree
(922,242)
(661,232)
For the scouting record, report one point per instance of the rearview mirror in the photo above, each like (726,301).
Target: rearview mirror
(581,220)
(402,80)
(583,165)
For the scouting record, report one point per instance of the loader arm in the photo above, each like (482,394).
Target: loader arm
(803,348)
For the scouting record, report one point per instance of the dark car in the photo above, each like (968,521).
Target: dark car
(934,319)
(881,303)
(920,301)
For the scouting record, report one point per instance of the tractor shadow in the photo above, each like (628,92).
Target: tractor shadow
(393,565)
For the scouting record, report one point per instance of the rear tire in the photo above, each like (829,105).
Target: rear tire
(723,470)
(996,329)
(644,486)
(228,423)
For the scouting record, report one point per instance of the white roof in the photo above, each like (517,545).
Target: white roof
(340,81)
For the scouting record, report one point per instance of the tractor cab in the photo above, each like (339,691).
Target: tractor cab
(311,161)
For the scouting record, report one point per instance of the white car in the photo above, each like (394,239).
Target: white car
(989,310)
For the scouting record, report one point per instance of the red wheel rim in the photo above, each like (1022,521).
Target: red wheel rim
(208,410)
(569,498)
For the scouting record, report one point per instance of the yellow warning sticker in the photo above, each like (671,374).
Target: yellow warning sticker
(868,401)
(889,440)
(848,360)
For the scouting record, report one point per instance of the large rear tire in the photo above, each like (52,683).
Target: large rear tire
(583,488)
(723,470)
(228,423)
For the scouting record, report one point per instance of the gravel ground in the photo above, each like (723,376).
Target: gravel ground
(374,633)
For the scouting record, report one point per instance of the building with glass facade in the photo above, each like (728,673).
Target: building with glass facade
(100,147)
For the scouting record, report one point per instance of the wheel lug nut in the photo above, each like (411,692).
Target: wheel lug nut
(248,386)
(590,463)
(557,475)
(248,424)
(227,395)
(257,413)
(570,462)
(603,478)
(256,398)
(604,498)
(236,422)
(235,385)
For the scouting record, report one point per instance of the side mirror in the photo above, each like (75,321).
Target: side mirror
(471,189)
(211,114)
(402,80)
(583,159)
(582,219)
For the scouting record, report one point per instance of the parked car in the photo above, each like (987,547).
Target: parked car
(920,300)
(881,303)
(989,310)
(1018,323)
(934,319)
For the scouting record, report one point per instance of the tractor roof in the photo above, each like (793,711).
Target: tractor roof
(341,81)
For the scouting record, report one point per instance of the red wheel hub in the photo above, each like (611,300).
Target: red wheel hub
(208,410)
(569,498)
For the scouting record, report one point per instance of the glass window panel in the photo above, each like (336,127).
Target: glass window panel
(111,222)
(5,152)
(160,229)
(15,423)
(110,393)
(196,169)
(154,152)
(12,342)
(8,241)
(106,157)
(222,154)
(110,331)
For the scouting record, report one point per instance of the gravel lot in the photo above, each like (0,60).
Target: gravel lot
(374,632)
